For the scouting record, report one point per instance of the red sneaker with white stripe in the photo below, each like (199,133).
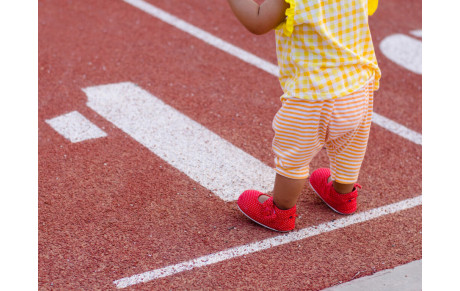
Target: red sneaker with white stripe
(340,203)
(266,214)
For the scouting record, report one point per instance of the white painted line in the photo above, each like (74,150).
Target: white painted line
(404,50)
(397,128)
(248,57)
(268,243)
(205,36)
(201,154)
(132,110)
(75,127)
(417,33)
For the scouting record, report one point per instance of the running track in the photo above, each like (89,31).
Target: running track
(111,207)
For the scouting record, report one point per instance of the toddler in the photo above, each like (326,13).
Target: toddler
(328,73)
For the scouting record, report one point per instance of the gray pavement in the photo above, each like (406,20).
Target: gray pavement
(402,278)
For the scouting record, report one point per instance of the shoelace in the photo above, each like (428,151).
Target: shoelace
(344,198)
(356,186)
(269,212)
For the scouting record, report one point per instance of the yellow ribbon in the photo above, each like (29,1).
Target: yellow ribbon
(372,6)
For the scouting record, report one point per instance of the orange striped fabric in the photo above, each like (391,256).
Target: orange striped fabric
(303,127)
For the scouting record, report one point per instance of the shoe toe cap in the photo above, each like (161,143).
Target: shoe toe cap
(248,198)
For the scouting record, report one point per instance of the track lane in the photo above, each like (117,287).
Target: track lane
(106,193)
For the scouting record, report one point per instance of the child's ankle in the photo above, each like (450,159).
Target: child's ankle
(343,188)
(283,206)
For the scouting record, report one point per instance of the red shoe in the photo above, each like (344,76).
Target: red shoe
(340,203)
(266,214)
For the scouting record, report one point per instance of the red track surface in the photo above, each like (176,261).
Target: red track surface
(109,208)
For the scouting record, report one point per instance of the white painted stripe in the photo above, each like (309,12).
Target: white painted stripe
(243,55)
(205,36)
(75,127)
(201,154)
(397,128)
(417,33)
(404,50)
(269,243)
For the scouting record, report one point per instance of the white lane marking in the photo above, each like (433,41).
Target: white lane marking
(404,50)
(201,154)
(243,55)
(75,127)
(268,243)
(417,33)
(397,128)
(205,36)
(271,242)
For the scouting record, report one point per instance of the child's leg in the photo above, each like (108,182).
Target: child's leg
(341,188)
(348,136)
(300,131)
(300,128)
(346,144)
(287,191)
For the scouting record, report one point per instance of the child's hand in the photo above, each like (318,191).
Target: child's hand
(259,19)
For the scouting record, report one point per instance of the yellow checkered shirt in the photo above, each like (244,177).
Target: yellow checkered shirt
(325,49)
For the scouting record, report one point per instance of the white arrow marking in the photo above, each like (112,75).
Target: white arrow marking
(185,144)
(404,51)
(417,33)
(75,127)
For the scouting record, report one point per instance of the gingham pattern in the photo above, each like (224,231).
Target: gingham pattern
(325,49)
(303,127)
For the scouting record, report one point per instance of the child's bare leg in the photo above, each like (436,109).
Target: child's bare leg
(342,188)
(286,191)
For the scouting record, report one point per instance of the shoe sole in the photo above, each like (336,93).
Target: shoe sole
(261,223)
(328,203)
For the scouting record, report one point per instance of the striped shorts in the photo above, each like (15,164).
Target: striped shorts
(303,127)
